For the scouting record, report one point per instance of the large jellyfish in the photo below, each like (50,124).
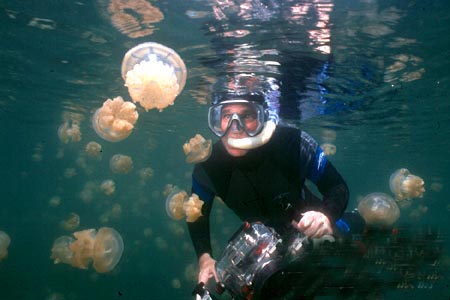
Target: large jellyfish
(406,186)
(5,240)
(104,248)
(120,164)
(154,75)
(115,120)
(179,205)
(198,149)
(379,209)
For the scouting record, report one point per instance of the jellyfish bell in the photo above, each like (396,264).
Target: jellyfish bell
(379,209)
(115,120)
(104,248)
(71,222)
(108,249)
(328,149)
(154,75)
(93,149)
(197,149)
(61,252)
(193,208)
(108,187)
(5,241)
(120,164)
(174,203)
(406,186)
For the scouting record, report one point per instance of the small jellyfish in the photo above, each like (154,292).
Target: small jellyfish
(406,186)
(121,164)
(108,187)
(5,240)
(193,208)
(328,149)
(71,222)
(174,203)
(93,149)
(379,209)
(54,201)
(115,120)
(154,75)
(69,132)
(104,248)
(198,149)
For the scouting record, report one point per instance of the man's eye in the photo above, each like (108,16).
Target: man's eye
(226,116)
(248,117)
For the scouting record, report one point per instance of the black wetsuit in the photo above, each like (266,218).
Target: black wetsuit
(258,185)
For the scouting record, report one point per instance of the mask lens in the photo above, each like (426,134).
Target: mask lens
(249,117)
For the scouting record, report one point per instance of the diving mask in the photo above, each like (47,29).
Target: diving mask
(237,114)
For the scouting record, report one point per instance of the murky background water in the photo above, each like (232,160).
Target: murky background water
(386,106)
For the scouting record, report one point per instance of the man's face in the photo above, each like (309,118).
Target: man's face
(248,116)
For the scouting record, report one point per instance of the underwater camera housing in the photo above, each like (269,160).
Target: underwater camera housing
(253,254)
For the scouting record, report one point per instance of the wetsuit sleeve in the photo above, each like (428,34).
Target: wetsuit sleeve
(199,230)
(327,179)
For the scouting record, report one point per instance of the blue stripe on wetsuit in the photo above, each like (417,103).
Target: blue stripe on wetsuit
(318,166)
(201,192)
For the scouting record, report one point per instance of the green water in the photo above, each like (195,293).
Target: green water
(69,63)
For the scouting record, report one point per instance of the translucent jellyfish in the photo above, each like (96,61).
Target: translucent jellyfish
(5,240)
(93,149)
(193,208)
(406,186)
(115,120)
(69,132)
(174,203)
(104,248)
(154,75)
(54,201)
(121,164)
(108,187)
(71,222)
(328,149)
(379,209)
(134,18)
(198,149)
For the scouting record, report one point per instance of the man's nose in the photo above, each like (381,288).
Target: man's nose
(235,126)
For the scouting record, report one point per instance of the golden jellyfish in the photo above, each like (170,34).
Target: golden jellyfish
(179,205)
(5,240)
(120,164)
(108,187)
(154,75)
(193,208)
(328,149)
(197,149)
(379,209)
(134,18)
(103,248)
(69,132)
(93,149)
(71,222)
(406,186)
(115,120)
(174,203)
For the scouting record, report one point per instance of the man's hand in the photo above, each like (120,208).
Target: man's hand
(313,224)
(207,268)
